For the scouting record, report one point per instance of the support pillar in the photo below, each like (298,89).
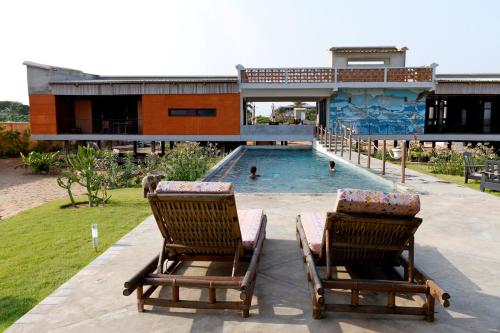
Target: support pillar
(171,145)
(162,147)
(153,147)
(66,146)
(135,148)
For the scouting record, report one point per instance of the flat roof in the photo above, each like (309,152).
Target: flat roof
(468,77)
(148,79)
(368,49)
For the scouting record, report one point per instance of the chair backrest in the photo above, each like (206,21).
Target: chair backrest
(197,218)
(468,162)
(492,170)
(370,226)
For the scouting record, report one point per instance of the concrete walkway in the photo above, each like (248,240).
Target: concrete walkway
(458,245)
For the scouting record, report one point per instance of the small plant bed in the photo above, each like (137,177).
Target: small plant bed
(43,247)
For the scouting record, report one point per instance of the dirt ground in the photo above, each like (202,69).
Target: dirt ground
(20,189)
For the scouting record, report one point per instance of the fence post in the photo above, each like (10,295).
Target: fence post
(383,157)
(342,143)
(403,162)
(330,142)
(326,136)
(335,144)
(350,144)
(359,150)
(368,163)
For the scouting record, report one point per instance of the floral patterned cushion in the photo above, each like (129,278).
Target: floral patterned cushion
(250,221)
(194,187)
(314,228)
(373,202)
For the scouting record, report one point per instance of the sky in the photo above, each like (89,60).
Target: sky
(188,37)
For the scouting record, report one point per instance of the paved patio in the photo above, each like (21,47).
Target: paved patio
(458,245)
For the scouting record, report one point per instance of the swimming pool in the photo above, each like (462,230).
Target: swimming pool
(293,171)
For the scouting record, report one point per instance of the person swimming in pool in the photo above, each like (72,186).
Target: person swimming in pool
(253,172)
(332,167)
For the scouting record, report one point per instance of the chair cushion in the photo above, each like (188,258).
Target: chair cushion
(314,228)
(194,187)
(250,222)
(373,202)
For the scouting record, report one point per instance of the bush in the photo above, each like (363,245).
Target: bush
(14,142)
(447,161)
(118,172)
(83,168)
(378,153)
(450,162)
(41,162)
(189,161)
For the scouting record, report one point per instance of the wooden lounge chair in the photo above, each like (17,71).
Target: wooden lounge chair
(490,177)
(368,230)
(199,222)
(471,170)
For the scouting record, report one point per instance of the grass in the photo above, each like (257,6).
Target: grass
(459,180)
(43,247)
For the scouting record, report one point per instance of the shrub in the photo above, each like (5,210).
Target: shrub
(189,161)
(378,153)
(14,142)
(450,162)
(66,180)
(41,162)
(118,172)
(84,167)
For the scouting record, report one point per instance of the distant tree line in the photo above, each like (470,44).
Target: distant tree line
(14,111)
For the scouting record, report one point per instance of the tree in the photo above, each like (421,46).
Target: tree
(250,113)
(262,120)
(13,111)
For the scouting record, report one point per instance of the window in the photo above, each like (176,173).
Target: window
(353,62)
(487,117)
(191,112)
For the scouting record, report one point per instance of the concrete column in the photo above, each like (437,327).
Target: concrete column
(162,147)
(171,145)
(66,146)
(135,147)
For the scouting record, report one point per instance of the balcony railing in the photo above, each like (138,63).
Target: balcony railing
(336,75)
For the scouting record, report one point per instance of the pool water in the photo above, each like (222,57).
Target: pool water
(294,171)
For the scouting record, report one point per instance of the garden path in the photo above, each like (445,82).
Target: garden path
(21,190)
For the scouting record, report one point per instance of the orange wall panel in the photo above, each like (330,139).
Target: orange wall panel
(156,120)
(43,114)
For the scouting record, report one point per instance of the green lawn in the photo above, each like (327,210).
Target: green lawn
(43,247)
(459,180)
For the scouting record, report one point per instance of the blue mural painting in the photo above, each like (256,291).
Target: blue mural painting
(379,111)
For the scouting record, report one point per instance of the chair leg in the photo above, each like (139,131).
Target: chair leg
(429,307)
(140,302)
(316,314)
(246,313)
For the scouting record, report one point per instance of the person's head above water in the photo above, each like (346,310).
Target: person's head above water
(332,164)
(253,169)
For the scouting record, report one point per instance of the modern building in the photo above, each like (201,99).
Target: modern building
(370,89)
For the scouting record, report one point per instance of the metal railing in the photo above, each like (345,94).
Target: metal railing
(344,137)
(337,75)
(98,126)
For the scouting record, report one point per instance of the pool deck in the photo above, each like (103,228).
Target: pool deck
(458,245)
